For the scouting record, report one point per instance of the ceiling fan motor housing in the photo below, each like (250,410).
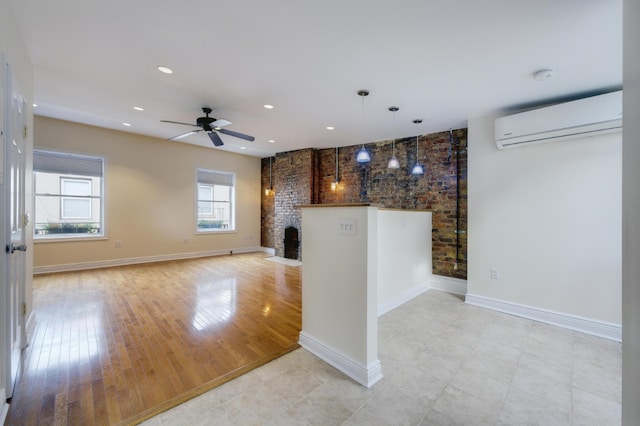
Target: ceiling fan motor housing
(205,122)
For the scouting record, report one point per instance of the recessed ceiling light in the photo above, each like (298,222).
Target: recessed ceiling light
(542,74)
(138,108)
(165,70)
(35,105)
(272,141)
(268,106)
(242,147)
(126,124)
(330,128)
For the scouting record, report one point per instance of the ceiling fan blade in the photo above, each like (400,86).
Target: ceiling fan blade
(184,135)
(179,122)
(220,122)
(215,139)
(237,135)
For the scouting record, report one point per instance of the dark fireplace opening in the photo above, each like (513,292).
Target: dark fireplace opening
(291,242)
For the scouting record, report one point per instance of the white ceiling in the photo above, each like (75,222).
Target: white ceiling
(440,60)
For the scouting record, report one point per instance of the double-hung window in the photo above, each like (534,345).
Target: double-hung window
(215,201)
(68,195)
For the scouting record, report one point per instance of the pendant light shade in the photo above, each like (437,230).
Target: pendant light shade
(393,162)
(417,168)
(363,155)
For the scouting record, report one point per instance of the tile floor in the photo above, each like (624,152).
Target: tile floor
(444,363)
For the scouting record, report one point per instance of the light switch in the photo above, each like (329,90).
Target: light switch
(347,227)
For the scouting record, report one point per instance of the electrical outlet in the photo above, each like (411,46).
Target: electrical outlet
(118,244)
(495,273)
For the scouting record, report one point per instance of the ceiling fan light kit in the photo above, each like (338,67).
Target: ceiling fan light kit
(210,125)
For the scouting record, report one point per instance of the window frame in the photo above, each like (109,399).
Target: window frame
(60,166)
(215,179)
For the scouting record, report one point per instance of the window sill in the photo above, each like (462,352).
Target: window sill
(215,231)
(69,239)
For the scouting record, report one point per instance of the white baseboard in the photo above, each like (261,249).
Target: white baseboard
(603,329)
(449,285)
(401,299)
(366,375)
(4,407)
(136,260)
(269,250)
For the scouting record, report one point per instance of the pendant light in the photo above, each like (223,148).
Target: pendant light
(269,190)
(417,169)
(334,184)
(393,162)
(363,155)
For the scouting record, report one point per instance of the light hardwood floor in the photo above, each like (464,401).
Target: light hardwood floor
(118,345)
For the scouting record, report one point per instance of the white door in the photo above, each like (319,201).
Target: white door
(13,192)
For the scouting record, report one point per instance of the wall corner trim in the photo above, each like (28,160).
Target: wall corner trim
(4,407)
(597,328)
(366,375)
(449,285)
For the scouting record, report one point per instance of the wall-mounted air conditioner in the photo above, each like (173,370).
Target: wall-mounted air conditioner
(577,119)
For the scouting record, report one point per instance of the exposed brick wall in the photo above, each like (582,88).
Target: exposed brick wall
(293,185)
(375,183)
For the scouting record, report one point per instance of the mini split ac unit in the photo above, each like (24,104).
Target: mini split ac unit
(577,119)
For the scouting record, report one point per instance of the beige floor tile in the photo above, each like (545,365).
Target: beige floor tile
(542,386)
(416,382)
(491,366)
(492,391)
(597,379)
(294,384)
(532,409)
(590,409)
(435,418)
(396,406)
(465,408)
(364,418)
(321,407)
(255,406)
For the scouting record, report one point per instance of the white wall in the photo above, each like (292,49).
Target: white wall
(631,218)
(404,256)
(548,216)
(12,45)
(339,289)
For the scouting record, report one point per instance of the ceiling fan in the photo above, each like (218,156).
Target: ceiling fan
(210,125)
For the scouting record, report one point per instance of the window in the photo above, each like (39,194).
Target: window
(215,201)
(68,195)
(76,203)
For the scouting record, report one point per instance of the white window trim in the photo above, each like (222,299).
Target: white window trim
(232,198)
(102,235)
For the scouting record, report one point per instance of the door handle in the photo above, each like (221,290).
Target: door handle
(12,247)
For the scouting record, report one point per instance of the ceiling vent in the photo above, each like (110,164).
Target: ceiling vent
(577,119)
